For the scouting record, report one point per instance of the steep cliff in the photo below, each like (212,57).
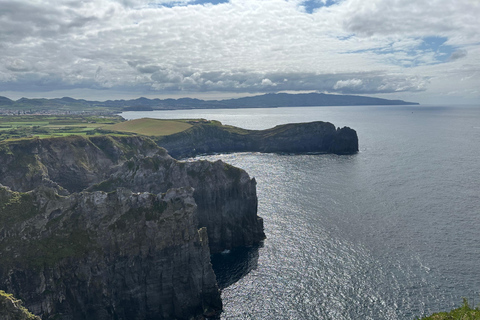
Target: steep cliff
(225,195)
(118,255)
(212,137)
(138,252)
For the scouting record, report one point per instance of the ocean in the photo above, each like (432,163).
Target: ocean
(392,232)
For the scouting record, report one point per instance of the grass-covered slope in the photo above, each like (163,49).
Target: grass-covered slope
(465,312)
(150,127)
(41,126)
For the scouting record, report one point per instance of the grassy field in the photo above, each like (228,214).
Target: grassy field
(43,126)
(24,126)
(151,127)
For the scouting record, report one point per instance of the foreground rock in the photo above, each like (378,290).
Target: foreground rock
(120,255)
(225,195)
(212,137)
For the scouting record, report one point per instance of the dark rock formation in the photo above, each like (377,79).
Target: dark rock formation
(72,163)
(225,195)
(313,137)
(120,255)
(136,253)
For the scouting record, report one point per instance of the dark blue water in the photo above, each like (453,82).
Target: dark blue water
(389,233)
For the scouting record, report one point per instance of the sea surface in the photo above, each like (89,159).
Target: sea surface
(392,232)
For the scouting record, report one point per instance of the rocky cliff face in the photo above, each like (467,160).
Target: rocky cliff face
(225,195)
(120,255)
(71,163)
(71,250)
(313,137)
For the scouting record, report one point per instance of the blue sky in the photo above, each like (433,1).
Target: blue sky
(424,51)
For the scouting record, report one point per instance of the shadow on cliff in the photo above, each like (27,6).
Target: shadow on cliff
(234,265)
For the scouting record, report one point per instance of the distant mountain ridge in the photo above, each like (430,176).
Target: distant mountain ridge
(142,104)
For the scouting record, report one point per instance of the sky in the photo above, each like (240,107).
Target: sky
(425,51)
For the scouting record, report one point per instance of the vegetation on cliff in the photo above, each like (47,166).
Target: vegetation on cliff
(12,309)
(150,127)
(465,312)
(41,126)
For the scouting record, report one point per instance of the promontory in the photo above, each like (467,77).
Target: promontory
(113,227)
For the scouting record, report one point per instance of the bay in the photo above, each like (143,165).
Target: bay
(388,233)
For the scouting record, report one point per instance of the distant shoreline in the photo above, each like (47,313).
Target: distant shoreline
(271,100)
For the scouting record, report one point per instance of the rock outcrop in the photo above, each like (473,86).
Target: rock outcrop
(111,228)
(313,137)
(118,255)
(225,195)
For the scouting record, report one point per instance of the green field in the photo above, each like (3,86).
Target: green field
(150,127)
(44,126)
(25,126)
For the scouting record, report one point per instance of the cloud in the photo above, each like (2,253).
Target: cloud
(238,46)
(268,82)
(458,55)
(410,17)
(18,65)
(350,83)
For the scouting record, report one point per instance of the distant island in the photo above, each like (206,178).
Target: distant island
(270,100)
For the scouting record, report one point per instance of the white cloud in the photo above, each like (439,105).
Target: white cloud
(353,46)
(350,83)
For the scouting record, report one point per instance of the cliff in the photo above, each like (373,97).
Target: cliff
(111,228)
(212,137)
(120,255)
(225,195)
